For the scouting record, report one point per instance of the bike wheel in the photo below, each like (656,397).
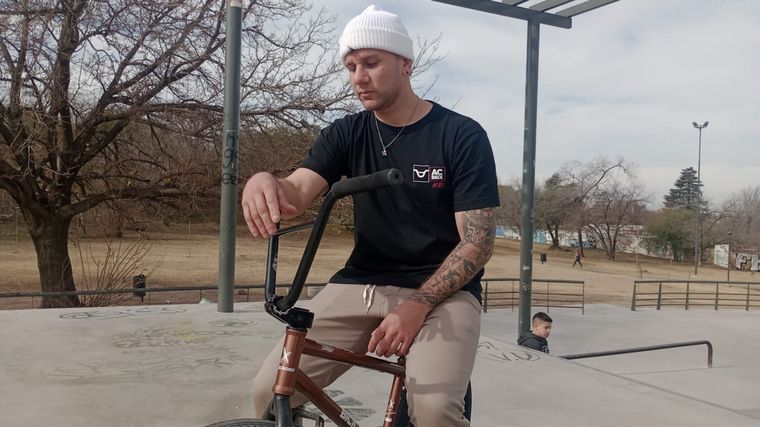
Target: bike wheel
(244,422)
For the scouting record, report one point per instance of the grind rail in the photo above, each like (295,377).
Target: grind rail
(647,348)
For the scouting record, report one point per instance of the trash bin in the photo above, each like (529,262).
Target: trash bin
(139,284)
(543,257)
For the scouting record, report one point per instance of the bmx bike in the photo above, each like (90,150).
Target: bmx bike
(298,320)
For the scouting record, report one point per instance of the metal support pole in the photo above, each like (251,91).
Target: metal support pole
(686,307)
(227,217)
(728,259)
(747,307)
(633,298)
(717,295)
(534,19)
(659,296)
(529,177)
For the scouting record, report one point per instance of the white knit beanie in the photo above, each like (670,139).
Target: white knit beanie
(376,29)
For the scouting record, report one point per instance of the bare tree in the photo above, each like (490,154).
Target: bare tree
(553,202)
(509,212)
(739,214)
(613,207)
(584,179)
(91,90)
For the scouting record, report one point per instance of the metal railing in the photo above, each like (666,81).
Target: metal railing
(647,348)
(542,296)
(695,293)
(145,293)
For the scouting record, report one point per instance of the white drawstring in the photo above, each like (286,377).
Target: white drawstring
(368,296)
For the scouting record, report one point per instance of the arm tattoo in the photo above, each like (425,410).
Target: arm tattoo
(464,261)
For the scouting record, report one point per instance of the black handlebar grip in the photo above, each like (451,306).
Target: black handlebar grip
(374,181)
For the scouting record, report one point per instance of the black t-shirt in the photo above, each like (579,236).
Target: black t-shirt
(403,234)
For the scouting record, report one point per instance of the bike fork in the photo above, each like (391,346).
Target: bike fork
(284,415)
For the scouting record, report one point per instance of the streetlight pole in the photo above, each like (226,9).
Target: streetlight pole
(698,207)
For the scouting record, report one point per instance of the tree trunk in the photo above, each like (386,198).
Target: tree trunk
(612,250)
(580,241)
(51,241)
(554,234)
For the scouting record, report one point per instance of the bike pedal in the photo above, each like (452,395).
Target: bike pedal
(300,414)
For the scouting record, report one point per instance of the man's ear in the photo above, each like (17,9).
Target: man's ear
(407,65)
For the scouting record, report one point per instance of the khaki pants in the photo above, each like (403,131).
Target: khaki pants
(440,360)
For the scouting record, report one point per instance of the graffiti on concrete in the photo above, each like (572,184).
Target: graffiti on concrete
(161,352)
(125,312)
(170,337)
(232,323)
(145,367)
(491,351)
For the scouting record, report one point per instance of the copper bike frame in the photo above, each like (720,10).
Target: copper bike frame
(290,378)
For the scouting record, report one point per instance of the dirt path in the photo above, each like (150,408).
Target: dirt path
(181,260)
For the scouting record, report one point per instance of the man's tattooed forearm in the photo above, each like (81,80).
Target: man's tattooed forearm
(467,258)
(455,271)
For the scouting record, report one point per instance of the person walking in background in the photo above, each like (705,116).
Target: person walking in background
(578,257)
(536,338)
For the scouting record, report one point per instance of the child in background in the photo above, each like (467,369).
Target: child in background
(536,339)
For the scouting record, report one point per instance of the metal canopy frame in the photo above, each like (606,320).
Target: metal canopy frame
(510,11)
(535,13)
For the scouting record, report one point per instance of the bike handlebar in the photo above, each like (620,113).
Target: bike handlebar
(374,181)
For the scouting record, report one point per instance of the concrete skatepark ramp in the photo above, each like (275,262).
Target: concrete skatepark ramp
(188,365)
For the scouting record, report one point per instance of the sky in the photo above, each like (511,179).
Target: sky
(627,80)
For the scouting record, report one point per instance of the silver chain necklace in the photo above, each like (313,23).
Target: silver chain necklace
(384,150)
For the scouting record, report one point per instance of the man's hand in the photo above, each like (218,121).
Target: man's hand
(399,328)
(264,203)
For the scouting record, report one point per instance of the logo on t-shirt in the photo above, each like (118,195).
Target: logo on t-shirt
(435,175)
(421,173)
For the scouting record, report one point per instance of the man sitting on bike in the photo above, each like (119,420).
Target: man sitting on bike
(412,283)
